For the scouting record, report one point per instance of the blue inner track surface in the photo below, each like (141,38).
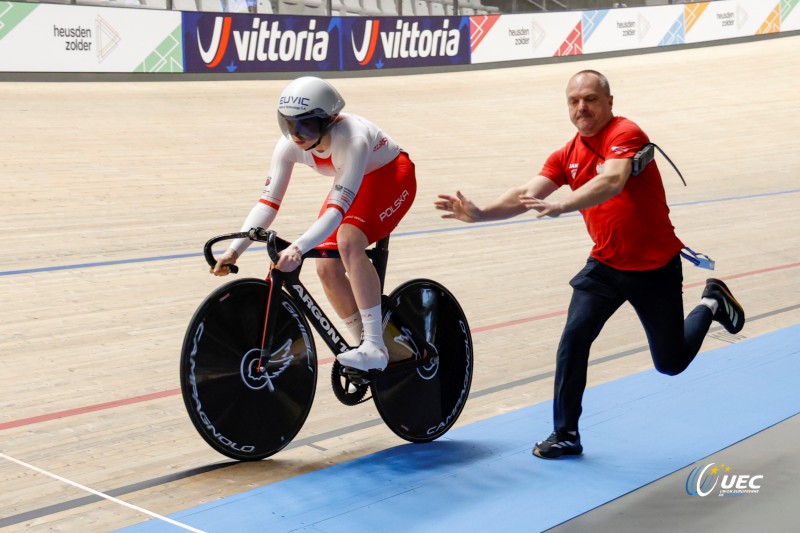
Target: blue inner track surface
(482,477)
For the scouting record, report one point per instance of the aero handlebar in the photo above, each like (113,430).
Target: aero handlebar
(274,244)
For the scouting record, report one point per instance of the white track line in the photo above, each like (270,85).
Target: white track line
(97,493)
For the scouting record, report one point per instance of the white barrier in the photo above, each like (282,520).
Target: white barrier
(61,38)
(542,35)
(790,15)
(71,38)
(739,18)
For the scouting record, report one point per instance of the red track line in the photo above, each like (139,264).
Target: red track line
(164,394)
(486,328)
(88,409)
(518,321)
(762,271)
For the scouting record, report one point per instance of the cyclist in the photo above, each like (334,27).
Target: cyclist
(374,185)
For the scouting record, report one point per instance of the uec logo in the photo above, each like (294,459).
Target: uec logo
(702,481)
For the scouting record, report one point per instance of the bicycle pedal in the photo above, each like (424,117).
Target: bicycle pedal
(373,374)
(359,377)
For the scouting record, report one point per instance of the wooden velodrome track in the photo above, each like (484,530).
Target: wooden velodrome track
(110,189)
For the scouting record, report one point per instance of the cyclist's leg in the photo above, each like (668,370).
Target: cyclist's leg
(367,293)
(336,284)
(337,287)
(384,197)
(351,283)
(363,279)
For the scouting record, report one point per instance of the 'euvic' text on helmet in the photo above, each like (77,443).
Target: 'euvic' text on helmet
(307,108)
(309,95)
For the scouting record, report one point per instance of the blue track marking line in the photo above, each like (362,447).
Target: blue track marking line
(99,264)
(482,476)
(460,227)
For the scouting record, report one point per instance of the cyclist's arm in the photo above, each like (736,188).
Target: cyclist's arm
(263,213)
(261,216)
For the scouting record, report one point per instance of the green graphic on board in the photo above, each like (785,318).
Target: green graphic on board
(13,14)
(786,7)
(167,57)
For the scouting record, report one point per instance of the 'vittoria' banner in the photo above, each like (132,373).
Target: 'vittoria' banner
(374,43)
(245,43)
(258,43)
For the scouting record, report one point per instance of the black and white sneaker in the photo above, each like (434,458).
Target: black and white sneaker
(557,444)
(729,313)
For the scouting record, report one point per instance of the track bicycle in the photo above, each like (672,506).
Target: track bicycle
(249,368)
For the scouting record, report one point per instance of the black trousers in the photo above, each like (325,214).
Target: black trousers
(598,291)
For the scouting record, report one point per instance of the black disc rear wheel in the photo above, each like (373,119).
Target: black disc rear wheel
(423,319)
(247,403)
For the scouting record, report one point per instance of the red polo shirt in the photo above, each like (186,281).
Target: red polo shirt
(632,230)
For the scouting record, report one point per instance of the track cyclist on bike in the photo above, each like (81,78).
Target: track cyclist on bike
(374,184)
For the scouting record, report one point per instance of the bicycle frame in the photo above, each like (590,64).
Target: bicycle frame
(294,288)
(419,395)
(291,285)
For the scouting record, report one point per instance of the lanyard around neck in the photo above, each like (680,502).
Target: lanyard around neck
(587,145)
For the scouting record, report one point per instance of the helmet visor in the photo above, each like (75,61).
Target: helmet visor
(304,128)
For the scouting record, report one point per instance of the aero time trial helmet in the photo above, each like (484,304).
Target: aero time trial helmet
(308,107)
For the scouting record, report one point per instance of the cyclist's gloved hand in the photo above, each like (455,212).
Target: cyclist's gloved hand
(228,258)
(289,259)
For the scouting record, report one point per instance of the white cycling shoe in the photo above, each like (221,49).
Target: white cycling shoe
(368,356)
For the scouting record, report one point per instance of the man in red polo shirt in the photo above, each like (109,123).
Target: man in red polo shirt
(635,257)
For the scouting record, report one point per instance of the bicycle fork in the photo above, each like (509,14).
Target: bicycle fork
(268,335)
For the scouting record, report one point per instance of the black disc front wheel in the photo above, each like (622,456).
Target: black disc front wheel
(245,401)
(423,320)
